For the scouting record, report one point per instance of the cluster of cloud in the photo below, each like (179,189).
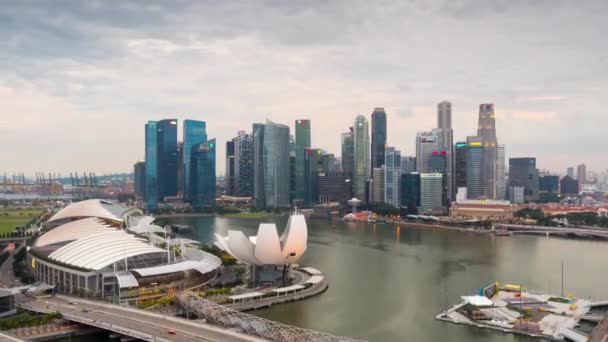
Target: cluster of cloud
(78,80)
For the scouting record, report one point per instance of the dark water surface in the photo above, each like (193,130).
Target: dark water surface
(387,282)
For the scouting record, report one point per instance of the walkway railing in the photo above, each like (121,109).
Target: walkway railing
(252,325)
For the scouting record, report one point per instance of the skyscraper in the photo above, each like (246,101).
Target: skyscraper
(570,172)
(410,192)
(408,164)
(303,180)
(432,193)
(486,130)
(230,180)
(258,165)
(276,165)
(581,173)
(334,187)
(361,172)
(378,185)
(460,165)
(151,174)
(378,137)
(500,173)
(243,164)
(446,142)
(392,177)
(202,175)
(523,173)
(139,173)
(474,168)
(194,134)
(348,152)
(167,157)
(426,144)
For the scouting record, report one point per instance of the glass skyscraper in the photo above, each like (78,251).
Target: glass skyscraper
(475,168)
(523,172)
(378,137)
(243,164)
(194,134)
(426,144)
(151,171)
(202,175)
(139,175)
(361,158)
(446,142)
(410,192)
(348,153)
(230,183)
(276,165)
(460,164)
(258,165)
(486,130)
(167,157)
(303,179)
(392,177)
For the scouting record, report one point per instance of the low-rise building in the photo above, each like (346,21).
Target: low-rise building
(482,209)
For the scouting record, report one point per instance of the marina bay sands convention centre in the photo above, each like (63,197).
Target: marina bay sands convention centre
(108,250)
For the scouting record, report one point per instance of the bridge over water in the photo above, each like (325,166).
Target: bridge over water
(526,229)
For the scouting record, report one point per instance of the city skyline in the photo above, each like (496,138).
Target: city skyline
(231,76)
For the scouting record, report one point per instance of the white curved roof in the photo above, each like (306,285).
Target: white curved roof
(267,248)
(92,208)
(73,231)
(100,250)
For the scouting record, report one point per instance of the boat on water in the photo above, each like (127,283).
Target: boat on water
(180,228)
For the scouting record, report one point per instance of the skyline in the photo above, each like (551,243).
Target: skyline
(63,71)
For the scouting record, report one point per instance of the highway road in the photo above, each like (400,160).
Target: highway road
(135,323)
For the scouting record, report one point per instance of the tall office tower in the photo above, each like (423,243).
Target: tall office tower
(432,193)
(378,137)
(258,165)
(202,175)
(426,144)
(569,186)
(230,158)
(243,164)
(486,130)
(501,183)
(334,187)
(303,180)
(392,177)
(581,173)
(292,178)
(378,185)
(408,164)
(139,173)
(348,152)
(516,194)
(460,165)
(194,134)
(410,192)
(167,157)
(151,174)
(361,171)
(475,168)
(446,142)
(570,172)
(292,144)
(319,165)
(523,172)
(548,183)
(276,165)
(180,168)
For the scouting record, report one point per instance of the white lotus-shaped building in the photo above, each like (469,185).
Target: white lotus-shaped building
(267,248)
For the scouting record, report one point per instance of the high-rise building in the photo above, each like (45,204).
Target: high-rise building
(548,183)
(408,164)
(139,173)
(319,165)
(258,165)
(500,173)
(361,158)
(581,173)
(446,142)
(378,137)
(378,185)
(516,194)
(335,187)
(486,130)
(303,180)
(570,172)
(392,177)
(292,179)
(568,186)
(523,172)
(167,158)
(243,164)
(276,165)
(230,177)
(151,168)
(426,144)
(432,193)
(202,175)
(348,152)
(410,192)
(474,168)
(194,134)
(180,168)
(460,165)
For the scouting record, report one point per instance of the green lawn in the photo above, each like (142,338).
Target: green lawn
(11,218)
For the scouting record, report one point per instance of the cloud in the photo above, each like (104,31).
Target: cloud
(534,115)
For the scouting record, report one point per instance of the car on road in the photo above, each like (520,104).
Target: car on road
(171,332)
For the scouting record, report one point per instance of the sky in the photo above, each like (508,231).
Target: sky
(79,79)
